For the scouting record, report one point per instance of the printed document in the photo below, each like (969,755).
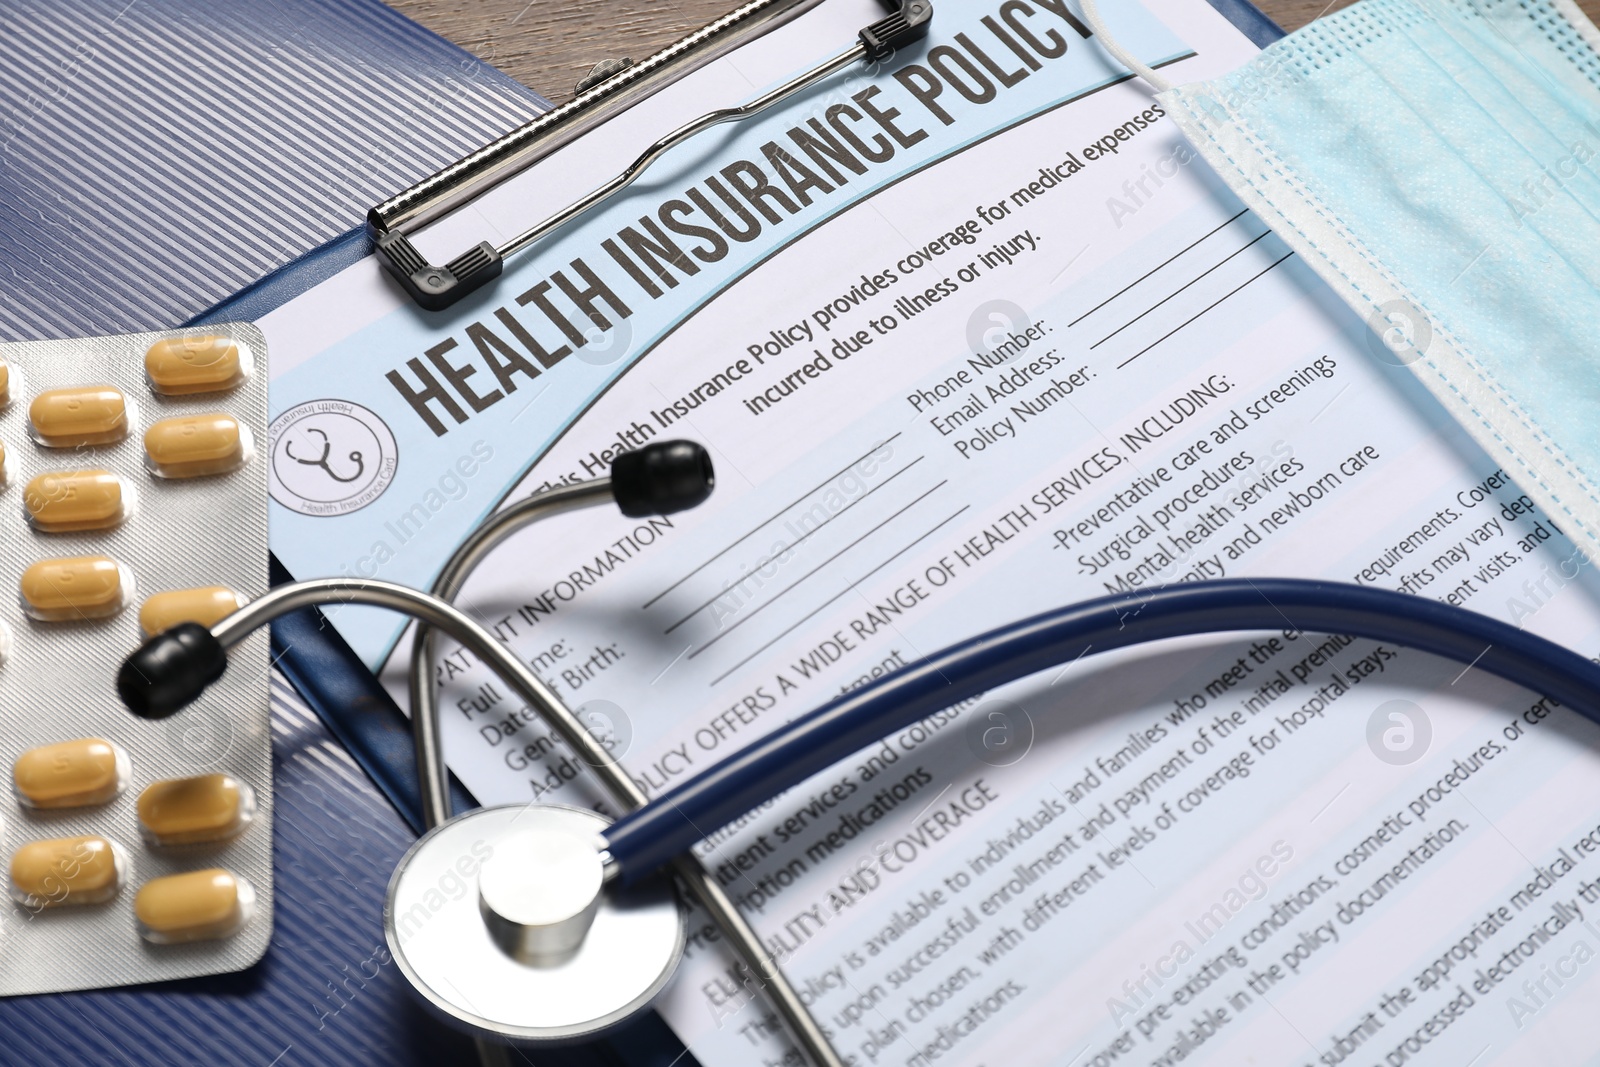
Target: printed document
(970,335)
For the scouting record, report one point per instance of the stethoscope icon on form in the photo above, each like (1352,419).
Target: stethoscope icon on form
(322,460)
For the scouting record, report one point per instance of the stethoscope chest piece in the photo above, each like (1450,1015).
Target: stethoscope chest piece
(500,921)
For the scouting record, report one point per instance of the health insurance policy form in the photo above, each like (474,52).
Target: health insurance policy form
(970,336)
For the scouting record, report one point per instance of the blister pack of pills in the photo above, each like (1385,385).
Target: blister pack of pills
(133,499)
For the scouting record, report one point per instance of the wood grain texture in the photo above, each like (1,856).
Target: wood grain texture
(550,44)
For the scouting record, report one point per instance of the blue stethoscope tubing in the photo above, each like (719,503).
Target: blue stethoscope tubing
(645,839)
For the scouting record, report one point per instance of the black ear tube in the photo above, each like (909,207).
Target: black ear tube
(170,670)
(662,478)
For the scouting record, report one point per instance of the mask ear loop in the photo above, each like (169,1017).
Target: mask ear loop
(1097,25)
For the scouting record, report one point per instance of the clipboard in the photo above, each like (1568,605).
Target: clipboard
(331,677)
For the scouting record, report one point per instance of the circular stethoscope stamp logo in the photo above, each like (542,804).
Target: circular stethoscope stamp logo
(330,457)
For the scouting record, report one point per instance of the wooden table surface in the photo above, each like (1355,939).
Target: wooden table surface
(550,44)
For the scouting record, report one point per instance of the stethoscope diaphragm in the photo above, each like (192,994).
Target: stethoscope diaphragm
(450,939)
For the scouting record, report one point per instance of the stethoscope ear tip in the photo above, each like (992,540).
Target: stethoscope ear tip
(170,670)
(662,478)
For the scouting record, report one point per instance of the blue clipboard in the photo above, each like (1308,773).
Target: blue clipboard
(325,992)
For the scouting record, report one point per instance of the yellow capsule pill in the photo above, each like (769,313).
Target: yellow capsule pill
(74,501)
(70,774)
(81,415)
(66,870)
(192,811)
(196,906)
(192,445)
(206,606)
(177,366)
(5,383)
(75,587)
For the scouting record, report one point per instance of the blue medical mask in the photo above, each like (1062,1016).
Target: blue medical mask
(1438,163)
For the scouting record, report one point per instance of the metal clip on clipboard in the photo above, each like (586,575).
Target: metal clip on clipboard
(609,89)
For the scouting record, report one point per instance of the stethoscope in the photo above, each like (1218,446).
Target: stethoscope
(568,927)
(322,460)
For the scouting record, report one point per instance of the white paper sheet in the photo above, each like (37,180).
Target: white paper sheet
(1279,848)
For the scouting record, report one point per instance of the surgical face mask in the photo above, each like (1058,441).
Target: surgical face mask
(1438,163)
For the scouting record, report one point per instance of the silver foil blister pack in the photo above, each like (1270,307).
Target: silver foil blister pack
(58,680)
